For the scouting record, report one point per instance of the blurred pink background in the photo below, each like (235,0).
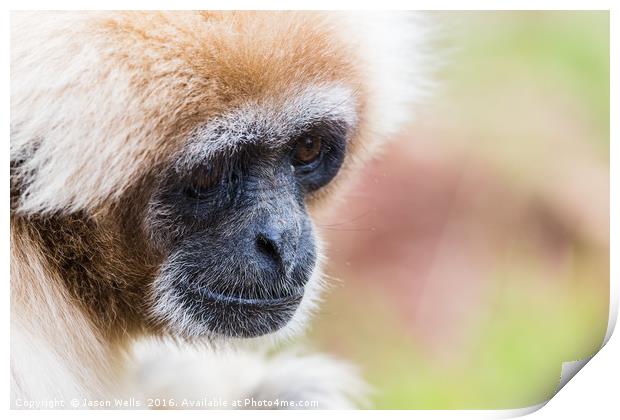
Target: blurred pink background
(472,257)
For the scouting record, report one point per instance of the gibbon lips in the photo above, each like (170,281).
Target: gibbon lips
(219,298)
(244,317)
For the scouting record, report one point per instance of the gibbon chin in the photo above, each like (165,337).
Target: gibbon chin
(165,171)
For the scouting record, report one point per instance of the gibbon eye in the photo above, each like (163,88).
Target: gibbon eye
(307,150)
(318,154)
(200,186)
(198,190)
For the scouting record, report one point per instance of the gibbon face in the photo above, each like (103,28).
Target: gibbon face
(229,213)
(167,164)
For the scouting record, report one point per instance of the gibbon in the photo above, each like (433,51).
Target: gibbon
(166,168)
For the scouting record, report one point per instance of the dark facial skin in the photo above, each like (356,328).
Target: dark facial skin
(238,241)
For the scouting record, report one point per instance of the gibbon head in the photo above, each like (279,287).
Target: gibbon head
(171,163)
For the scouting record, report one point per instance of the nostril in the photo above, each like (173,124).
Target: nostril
(268,247)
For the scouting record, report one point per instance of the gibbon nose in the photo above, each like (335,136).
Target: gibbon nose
(274,243)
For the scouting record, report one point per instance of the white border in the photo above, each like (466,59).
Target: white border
(594,394)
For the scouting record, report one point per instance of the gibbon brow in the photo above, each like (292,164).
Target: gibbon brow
(255,122)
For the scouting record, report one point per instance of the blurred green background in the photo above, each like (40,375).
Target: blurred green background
(472,258)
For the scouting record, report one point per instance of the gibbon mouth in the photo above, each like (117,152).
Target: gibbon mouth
(267,303)
(242,317)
